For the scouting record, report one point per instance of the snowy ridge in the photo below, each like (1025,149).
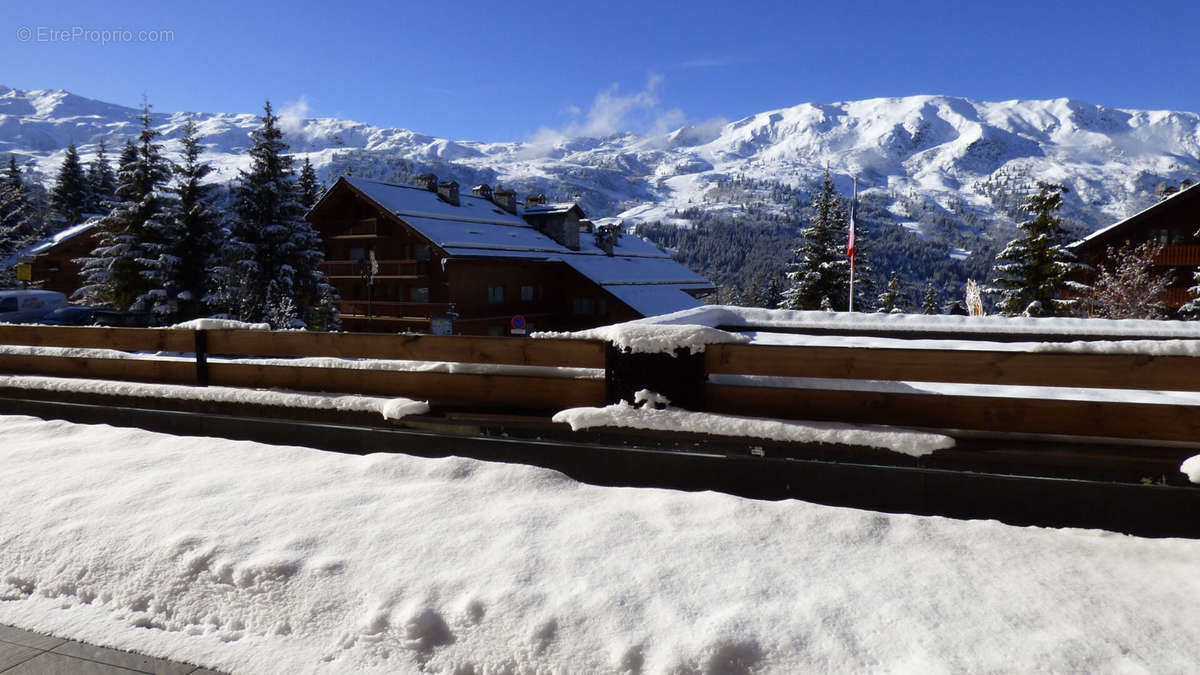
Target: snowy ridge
(937,149)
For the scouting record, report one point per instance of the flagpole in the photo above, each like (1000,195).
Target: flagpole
(850,249)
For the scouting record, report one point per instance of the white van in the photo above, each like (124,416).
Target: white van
(28,306)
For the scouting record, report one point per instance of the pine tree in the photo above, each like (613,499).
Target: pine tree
(892,300)
(70,193)
(19,222)
(271,273)
(1127,286)
(930,304)
(821,270)
(193,240)
(310,188)
(1031,271)
(1190,311)
(132,257)
(102,183)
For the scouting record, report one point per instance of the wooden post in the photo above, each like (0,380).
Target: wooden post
(679,376)
(202,358)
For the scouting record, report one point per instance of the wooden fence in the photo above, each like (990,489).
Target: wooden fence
(711,381)
(537,390)
(1020,412)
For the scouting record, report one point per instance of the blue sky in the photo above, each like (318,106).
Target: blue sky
(509,71)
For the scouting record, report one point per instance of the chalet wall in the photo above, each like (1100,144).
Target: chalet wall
(57,269)
(1172,223)
(559,298)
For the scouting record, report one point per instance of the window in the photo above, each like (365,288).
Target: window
(358,253)
(421,252)
(8,305)
(495,294)
(527,294)
(582,306)
(420,294)
(496,331)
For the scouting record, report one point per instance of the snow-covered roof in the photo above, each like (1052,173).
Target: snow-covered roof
(50,242)
(655,299)
(546,209)
(406,200)
(1191,191)
(638,273)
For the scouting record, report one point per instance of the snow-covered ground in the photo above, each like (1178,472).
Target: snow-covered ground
(263,559)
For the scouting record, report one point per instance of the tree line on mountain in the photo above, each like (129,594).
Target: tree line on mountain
(791,254)
(172,243)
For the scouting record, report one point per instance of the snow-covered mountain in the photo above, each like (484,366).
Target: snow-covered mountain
(940,152)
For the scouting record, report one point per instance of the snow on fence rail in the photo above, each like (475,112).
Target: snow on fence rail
(1081,394)
(552,386)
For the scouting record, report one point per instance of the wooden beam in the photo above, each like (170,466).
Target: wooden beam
(441,388)
(1038,416)
(1118,371)
(174,371)
(487,350)
(97,337)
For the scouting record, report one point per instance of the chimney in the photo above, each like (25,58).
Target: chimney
(534,199)
(427,181)
(506,199)
(448,191)
(482,190)
(607,237)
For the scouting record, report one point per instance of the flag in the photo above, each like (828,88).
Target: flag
(850,240)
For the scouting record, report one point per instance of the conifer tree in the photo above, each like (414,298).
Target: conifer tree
(930,304)
(821,270)
(892,300)
(132,255)
(69,196)
(310,188)
(1031,271)
(19,222)
(193,240)
(102,183)
(771,295)
(272,272)
(1190,311)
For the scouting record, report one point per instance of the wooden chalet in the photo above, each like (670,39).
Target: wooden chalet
(53,259)
(426,259)
(1174,223)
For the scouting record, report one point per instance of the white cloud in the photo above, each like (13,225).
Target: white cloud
(612,112)
(292,116)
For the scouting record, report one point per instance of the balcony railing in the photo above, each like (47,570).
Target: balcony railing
(386,308)
(387,268)
(1178,255)
(369,227)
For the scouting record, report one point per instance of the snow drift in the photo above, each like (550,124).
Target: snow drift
(260,559)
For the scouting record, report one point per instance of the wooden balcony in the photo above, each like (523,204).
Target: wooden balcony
(383,309)
(1178,255)
(388,269)
(370,228)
